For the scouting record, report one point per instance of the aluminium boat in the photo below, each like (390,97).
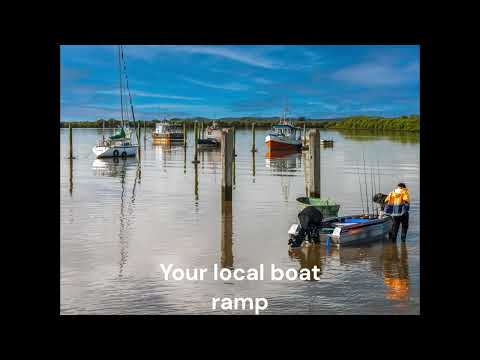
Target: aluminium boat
(343,230)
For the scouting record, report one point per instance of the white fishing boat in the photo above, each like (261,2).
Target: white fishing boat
(166,133)
(214,133)
(119,144)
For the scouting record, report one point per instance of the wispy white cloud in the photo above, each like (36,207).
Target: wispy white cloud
(149,94)
(327,106)
(375,74)
(243,54)
(229,86)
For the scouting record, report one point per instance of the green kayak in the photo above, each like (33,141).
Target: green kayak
(328,207)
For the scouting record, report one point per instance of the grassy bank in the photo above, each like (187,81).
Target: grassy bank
(404,123)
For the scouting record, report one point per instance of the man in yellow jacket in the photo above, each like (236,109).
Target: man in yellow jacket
(397,206)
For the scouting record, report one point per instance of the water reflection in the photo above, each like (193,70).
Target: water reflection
(383,257)
(308,257)
(107,229)
(226,260)
(253,166)
(283,164)
(113,167)
(116,167)
(395,272)
(196,182)
(372,135)
(70,189)
(279,162)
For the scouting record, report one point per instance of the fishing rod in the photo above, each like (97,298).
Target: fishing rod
(360,184)
(366,187)
(372,185)
(378,172)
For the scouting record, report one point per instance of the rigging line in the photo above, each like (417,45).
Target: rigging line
(121,86)
(130,97)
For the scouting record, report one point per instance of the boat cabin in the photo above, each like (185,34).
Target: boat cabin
(287,130)
(165,128)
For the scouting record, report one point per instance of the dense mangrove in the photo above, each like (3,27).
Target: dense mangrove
(410,123)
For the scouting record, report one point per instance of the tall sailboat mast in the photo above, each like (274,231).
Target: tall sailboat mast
(120,82)
(129,94)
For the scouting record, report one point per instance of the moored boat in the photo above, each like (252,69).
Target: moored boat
(283,137)
(214,132)
(119,144)
(344,230)
(166,133)
(107,148)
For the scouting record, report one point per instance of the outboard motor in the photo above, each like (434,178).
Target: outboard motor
(379,199)
(311,220)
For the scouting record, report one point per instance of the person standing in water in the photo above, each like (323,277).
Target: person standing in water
(397,206)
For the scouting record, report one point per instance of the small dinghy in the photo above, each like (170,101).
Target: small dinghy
(343,230)
(328,207)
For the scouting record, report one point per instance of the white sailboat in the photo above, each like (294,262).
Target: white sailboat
(119,144)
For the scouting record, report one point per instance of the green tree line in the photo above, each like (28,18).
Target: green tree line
(403,123)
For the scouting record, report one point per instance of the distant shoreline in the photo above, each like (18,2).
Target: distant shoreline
(409,123)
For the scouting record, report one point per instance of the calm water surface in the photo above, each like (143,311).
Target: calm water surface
(121,220)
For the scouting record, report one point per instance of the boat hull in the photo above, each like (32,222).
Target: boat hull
(114,151)
(167,138)
(361,234)
(276,144)
(339,231)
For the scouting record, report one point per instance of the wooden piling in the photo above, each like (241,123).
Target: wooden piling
(253,166)
(144,132)
(138,140)
(304,135)
(314,151)
(227,163)
(71,176)
(195,130)
(234,137)
(196,181)
(184,159)
(70,137)
(226,260)
(253,137)
(184,134)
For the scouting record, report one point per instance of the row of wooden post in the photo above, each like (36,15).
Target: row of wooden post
(228,156)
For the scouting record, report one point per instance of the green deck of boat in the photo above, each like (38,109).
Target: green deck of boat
(328,207)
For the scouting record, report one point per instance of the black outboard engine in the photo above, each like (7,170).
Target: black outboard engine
(311,220)
(379,198)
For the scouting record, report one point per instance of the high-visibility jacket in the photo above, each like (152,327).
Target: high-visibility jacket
(397,202)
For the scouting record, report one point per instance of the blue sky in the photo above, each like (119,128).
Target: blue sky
(243,80)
